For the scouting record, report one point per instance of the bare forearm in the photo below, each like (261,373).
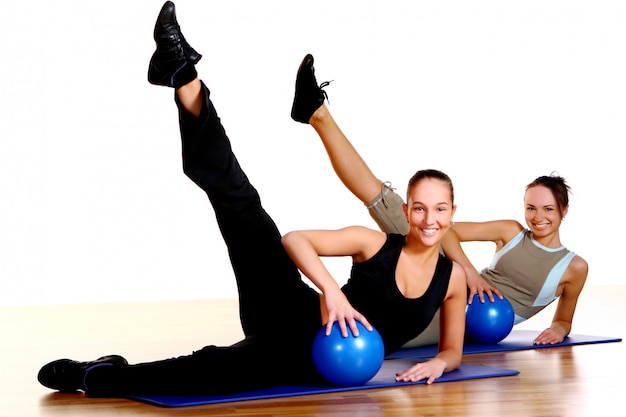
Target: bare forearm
(452,248)
(451,359)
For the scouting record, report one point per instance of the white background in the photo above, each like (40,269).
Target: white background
(95,206)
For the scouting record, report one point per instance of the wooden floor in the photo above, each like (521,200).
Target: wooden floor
(563,381)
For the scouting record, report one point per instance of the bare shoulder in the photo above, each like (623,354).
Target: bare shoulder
(578,268)
(574,279)
(458,279)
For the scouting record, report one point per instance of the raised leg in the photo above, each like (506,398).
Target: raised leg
(384,204)
(348,164)
(277,308)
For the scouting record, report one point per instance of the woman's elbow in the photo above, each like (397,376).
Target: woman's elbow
(289,239)
(286,238)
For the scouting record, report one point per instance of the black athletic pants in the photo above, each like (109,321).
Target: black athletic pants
(280,314)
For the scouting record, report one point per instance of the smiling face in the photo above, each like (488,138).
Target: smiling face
(543,216)
(429,210)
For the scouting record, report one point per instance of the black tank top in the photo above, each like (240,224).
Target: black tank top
(372,291)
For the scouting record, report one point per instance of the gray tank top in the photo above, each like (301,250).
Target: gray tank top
(527,273)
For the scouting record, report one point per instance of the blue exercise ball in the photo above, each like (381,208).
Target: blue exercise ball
(348,361)
(488,322)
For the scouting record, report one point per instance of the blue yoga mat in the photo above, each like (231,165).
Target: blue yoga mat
(383,379)
(516,340)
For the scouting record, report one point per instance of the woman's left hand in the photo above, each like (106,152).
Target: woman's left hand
(550,336)
(429,371)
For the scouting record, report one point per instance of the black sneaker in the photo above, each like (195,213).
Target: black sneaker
(172,64)
(308,96)
(66,375)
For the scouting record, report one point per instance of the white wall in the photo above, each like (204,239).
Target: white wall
(94,203)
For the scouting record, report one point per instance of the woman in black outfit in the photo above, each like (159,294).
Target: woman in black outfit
(394,277)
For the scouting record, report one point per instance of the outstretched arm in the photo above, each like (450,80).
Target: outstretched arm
(497,231)
(475,283)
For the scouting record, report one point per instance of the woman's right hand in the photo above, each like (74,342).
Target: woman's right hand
(478,285)
(339,309)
